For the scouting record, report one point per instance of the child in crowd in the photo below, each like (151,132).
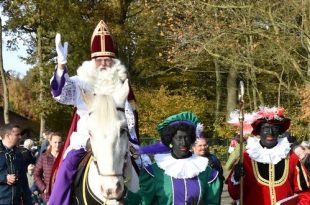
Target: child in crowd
(36,199)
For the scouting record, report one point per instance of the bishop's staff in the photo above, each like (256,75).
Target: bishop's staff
(241,119)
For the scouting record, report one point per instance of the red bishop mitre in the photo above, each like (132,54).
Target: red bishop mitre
(101,42)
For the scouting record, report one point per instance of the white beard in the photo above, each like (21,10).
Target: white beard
(104,81)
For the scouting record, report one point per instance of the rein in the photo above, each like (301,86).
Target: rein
(85,186)
(110,175)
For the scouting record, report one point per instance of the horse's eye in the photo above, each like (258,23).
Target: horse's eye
(123,131)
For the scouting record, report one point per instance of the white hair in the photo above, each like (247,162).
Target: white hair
(108,78)
(31,166)
(28,144)
(88,71)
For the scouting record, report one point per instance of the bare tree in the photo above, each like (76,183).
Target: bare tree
(4,83)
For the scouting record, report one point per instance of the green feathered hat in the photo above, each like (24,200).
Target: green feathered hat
(183,117)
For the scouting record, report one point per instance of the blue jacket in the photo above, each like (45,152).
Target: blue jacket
(11,162)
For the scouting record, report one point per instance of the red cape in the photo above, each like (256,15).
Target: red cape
(58,160)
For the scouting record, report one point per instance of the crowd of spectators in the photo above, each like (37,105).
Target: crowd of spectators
(302,150)
(32,163)
(25,167)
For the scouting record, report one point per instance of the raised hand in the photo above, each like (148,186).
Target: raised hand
(62,50)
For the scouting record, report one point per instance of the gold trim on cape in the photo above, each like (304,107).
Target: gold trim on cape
(271,183)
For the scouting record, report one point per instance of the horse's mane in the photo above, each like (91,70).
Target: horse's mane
(105,114)
(109,149)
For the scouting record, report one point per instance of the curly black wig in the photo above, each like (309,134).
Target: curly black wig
(169,131)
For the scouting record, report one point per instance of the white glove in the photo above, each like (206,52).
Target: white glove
(62,51)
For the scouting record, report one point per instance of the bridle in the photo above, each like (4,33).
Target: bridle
(111,175)
(125,159)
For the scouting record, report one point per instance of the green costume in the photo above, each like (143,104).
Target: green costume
(196,182)
(177,181)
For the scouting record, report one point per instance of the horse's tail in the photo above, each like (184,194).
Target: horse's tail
(59,158)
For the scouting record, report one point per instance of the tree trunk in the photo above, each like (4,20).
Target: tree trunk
(306,40)
(4,83)
(256,93)
(218,82)
(218,90)
(251,73)
(231,91)
(279,88)
(41,73)
(247,88)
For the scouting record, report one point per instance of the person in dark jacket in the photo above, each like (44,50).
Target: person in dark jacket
(27,153)
(14,189)
(44,165)
(201,148)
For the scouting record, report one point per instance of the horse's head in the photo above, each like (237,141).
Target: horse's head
(109,139)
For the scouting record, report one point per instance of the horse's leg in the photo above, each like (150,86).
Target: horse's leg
(65,176)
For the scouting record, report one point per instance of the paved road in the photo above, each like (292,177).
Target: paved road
(226,200)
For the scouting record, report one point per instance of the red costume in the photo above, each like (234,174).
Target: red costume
(272,172)
(265,184)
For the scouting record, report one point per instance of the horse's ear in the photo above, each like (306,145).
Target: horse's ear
(120,94)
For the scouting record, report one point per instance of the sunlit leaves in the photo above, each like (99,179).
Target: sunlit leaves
(156,105)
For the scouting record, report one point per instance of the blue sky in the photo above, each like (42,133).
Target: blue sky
(11,60)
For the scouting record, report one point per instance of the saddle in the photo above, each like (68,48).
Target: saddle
(77,194)
(81,168)
(76,190)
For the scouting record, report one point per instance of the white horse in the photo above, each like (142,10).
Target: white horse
(109,168)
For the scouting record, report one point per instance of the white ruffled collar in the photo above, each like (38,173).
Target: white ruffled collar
(181,168)
(267,156)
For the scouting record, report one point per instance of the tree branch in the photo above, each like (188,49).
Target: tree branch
(228,6)
(230,61)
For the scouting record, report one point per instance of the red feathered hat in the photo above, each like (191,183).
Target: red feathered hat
(101,42)
(272,116)
(249,118)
